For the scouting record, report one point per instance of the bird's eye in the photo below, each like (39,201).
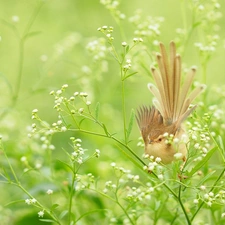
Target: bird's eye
(160,139)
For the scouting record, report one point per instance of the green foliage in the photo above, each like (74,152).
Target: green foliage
(79,158)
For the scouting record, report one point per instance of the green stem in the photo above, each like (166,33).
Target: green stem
(20,71)
(182,206)
(71,195)
(204,71)
(21,53)
(124,111)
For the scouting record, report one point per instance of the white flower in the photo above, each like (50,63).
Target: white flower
(38,165)
(178,155)
(124,44)
(15,19)
(78,140)
(33,200)
(63,128)
(81,110)
(197,146)
(23,159)
(209,204)
(136,178)
(113,164)
(151,166)
(88,103)
(158,159)
(59,92)
(97,153)
(65,86)
(80,160)
(156,42)
(201,7)
(27,201)
(202,187)
(206,196)
(160,176)
(211,194)
(49,192)
(41,213)
(195,201)
(43,58)
(35,111)
(128,61)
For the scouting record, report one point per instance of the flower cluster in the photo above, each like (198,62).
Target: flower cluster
(84,181)
(210,46)
(141,193)
(210,197)
(107,31)
(150,27)
(78,151)
(217,122)
(127,66)
(30,201)
(154,166)
(140,142)
(98,48)
(200,139)
(66,44)
(112,6)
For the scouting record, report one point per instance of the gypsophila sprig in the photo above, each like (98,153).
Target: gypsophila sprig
(98,49)
(148,27)
(112,6)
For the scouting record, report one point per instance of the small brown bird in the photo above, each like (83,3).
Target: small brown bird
(160,125)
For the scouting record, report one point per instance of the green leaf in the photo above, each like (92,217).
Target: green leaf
(47,220)
(81,121)
(131,122)
(105,129)
(206,178)
(7,82)
(129,75)
(63,214)
(127,49)
(6,175)
(68,126)
(97,110)
(32,34)
(15,202)
(54,206)
(65,164)
(196,24)
(220,140)
(90,212)
(200,164)
(8,24)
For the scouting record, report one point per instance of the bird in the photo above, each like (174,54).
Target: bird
(161,125)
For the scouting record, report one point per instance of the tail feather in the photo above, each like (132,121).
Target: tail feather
(172,99)
(177,80)
(184,92)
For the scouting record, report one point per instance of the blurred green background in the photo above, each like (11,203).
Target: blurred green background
(55,53)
